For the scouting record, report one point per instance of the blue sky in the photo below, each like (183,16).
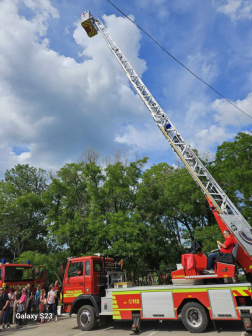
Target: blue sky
(61,91)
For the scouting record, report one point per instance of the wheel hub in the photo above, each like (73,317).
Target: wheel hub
(85,318)
(194,317)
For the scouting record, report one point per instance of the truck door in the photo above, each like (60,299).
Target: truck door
(74,283)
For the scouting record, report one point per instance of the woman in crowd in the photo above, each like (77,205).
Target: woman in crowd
(9,310)
(21,306)
(18,294)
(29,298)
(42,305)
(51,301)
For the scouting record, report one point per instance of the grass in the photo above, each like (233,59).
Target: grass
(242,278)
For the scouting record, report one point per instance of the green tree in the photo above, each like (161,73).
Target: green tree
(93,210)
(173,206)
(234,172)
(68,197)
(22,209)
(209,235)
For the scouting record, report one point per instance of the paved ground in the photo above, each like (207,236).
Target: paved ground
(68,327)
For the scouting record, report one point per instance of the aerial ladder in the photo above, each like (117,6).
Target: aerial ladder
(225,212)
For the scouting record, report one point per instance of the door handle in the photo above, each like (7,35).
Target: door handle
(81,284)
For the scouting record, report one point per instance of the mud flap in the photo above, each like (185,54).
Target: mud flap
(246,319)
(136,323)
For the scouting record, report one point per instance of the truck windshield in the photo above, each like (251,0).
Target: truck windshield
(17,273)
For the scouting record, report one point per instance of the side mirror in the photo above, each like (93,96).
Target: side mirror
(61,270)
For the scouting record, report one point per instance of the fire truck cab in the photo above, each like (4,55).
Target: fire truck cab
(13,275)
(84,284)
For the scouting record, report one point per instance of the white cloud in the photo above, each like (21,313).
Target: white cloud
(147,137)
(204,65)
(226,114)
(150,138)
(212,136)
(236,9)
(51,101)
(66,30)
(124,33)
(9,158)
(190,99)
(159,7)
(187,88)
(41,6)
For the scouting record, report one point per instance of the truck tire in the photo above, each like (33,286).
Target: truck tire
(86,318)
(194,317)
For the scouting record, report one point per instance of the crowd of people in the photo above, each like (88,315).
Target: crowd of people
(14,305)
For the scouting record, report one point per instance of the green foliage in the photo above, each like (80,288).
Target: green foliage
(235,171)
(52,261)
(145,216)
(209,236)
(22,209)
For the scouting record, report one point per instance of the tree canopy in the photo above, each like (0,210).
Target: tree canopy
(144,215)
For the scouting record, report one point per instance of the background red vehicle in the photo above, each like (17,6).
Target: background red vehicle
(13,275)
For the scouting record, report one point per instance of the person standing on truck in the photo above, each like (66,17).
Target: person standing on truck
(227,247)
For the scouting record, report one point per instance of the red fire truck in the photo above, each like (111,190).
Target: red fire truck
(13,275)
(94,288)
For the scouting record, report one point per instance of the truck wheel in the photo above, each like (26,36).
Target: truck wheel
(194,317)
(86,318)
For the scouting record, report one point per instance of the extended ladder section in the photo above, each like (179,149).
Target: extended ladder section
(228,212)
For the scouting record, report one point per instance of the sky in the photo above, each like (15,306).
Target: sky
(62,92)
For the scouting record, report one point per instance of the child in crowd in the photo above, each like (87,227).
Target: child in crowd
(51,301)
(42,305)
